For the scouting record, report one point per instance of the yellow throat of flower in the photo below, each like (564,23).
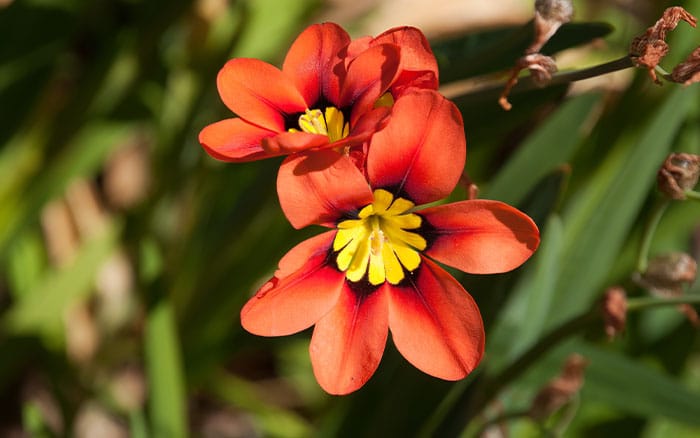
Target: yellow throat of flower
(330,123)
(377,243)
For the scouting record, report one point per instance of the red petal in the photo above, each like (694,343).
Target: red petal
(234,140)
(356,47)
(481,236)
(349,341)
(311,60)
(295,299)
(421,152)
(369,75)
(418,66)
(320,187)
(435,324)
(291,142)
(259,92)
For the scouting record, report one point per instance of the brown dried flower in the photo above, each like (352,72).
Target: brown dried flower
(549,16)
(541,68)
(679,173)
(667,274)
(614,307)
(688,71)
(560,390)
(648,49)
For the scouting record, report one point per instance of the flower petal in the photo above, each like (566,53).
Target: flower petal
(348,343)
(320,187)
(480,236)
(369,75)
(420,154)
(234,140)
(435,323)
(418,66)
(311,60)
(259,92)
(291,142)
(305,288)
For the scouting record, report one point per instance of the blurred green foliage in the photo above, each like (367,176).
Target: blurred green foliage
(126,252)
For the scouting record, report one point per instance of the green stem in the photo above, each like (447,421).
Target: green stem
(507,416)
(691,194)
(640,303)
(661,71)
(586,73)
(649,231)
(527,83)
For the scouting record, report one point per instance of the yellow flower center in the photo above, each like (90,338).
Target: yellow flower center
(377,243)
(331,123)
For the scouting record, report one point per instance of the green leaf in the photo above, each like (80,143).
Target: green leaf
(43,309)
(531,301)
(32,186)
(167,402)
(633,387)
(551,145)
(597,224)
(494,50)
(271,420)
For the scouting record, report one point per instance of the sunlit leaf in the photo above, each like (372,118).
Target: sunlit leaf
(167,404)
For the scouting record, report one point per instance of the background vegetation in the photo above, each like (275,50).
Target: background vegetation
(126,252)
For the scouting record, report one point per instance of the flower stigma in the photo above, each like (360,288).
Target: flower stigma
(377,243)
(330,123)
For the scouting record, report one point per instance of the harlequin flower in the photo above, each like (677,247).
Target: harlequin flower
(330,93)
(375,270)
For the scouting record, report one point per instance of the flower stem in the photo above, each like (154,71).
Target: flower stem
(586,73)
(691,194)
(527,83)
(656,214)
(639,303)
(506,416)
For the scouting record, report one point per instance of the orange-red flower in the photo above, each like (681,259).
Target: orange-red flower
(374,271)
(330,93)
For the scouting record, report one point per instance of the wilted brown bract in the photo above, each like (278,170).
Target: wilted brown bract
(647,50)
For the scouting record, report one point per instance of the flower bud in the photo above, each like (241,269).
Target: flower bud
(688,71)
(555,10)
(549,16)
(679,173)
(559,390)
(614,308)
(667,273)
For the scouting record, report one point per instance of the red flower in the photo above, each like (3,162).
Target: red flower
(373,272)
(324,96)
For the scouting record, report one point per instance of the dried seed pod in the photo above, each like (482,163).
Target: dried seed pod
(688,71)
(667,273)
(559,390)
(614,308)
(679,173)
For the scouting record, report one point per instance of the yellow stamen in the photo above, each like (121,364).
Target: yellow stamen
(377,244)
(331,123)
